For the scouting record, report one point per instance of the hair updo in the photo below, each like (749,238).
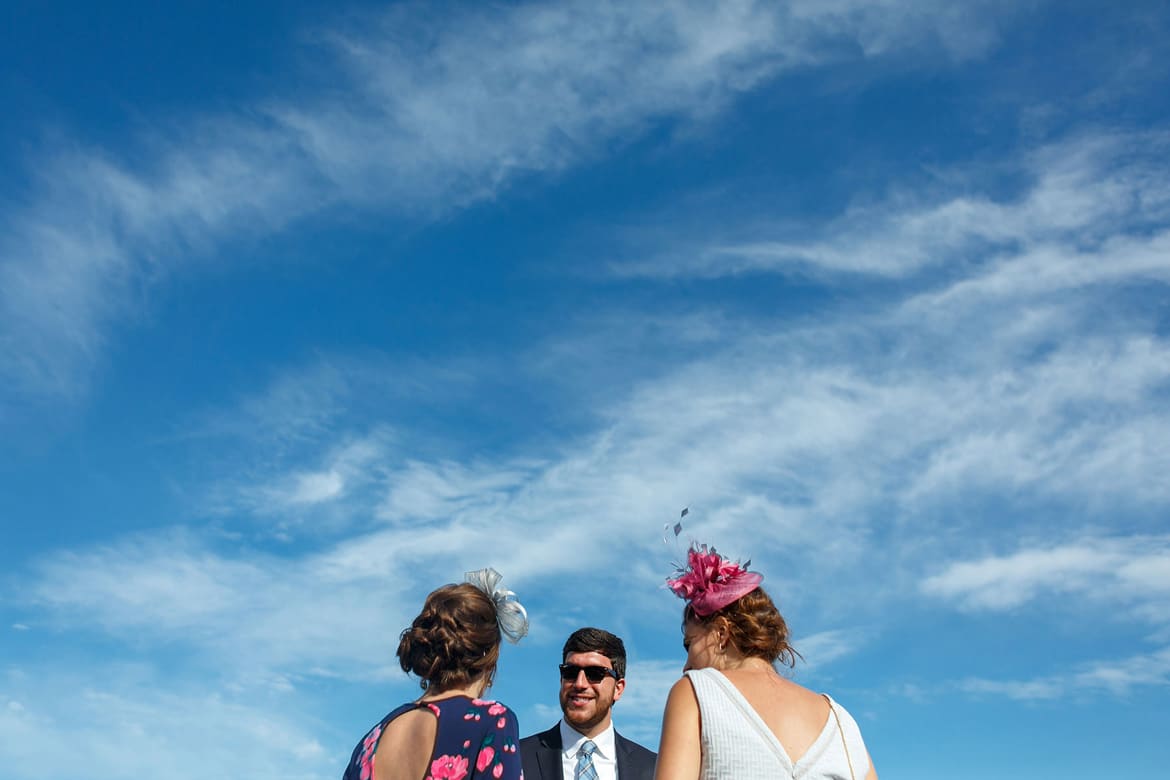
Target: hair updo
(755,627)
(454,641)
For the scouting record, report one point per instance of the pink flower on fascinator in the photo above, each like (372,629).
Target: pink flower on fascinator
(710,582)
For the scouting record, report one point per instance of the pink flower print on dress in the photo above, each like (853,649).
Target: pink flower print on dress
(367,759)
(497,709)
(367,766)
(486,754)
(371,739)
(467,743)
(497,770)
(449,768)
(433,708)
(482,702)
(501,723)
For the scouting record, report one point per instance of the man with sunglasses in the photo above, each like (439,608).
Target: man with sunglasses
(584,744)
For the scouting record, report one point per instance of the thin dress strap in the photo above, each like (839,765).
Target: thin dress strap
(841,731)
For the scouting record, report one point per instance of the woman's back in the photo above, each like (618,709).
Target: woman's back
(409,738)
(795,715)
(469,737)
(755,726)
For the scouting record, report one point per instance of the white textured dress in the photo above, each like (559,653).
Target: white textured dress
(736,742)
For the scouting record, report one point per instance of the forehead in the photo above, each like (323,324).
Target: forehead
(588,659)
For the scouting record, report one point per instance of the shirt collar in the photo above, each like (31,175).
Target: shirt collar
(571,740)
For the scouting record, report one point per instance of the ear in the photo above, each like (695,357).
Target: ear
(722,632)
(618,688)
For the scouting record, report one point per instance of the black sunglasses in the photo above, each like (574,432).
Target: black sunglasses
(593,674)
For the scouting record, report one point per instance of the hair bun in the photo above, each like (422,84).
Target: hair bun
(454,640)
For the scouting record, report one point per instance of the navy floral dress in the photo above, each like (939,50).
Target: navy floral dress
(476,739)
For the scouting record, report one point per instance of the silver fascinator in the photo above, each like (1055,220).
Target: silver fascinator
(510,613)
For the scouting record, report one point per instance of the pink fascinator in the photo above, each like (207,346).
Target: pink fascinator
(710,582)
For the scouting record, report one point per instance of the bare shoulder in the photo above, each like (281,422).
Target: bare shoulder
(409,738)
(682,695)
(411,724)
(683,684)
(678,751)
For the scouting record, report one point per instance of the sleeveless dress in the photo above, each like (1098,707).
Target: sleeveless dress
(475,739)
(737,743)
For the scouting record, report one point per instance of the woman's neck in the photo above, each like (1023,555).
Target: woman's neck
(737,662)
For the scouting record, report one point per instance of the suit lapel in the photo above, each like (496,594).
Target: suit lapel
(550,757)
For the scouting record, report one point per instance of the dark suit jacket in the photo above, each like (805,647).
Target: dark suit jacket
(540,756)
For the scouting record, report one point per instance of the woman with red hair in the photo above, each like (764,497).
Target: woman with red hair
(732,714)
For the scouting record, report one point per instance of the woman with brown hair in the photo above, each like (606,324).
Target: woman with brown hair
(732,715)
(450,732)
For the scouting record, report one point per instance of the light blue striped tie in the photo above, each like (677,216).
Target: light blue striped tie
(585,770)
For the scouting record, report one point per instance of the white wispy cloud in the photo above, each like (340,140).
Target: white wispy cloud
(803,451)
(122,722)
(1113,678)
(993,367)
(315,487)
(1001,354)
(1082,191)
(293,410)
(426,491)
(786,444)
(540,87)
(1122,571)
(439,111)
(1083,420)
(263,612)
(824,647)
(346,467)
(824,434)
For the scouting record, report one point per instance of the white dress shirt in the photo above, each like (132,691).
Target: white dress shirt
(604,758)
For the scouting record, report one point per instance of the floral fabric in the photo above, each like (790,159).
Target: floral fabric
(476,740)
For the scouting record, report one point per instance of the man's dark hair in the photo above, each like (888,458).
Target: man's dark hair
(597,640)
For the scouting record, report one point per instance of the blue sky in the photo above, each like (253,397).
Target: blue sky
(307,308)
